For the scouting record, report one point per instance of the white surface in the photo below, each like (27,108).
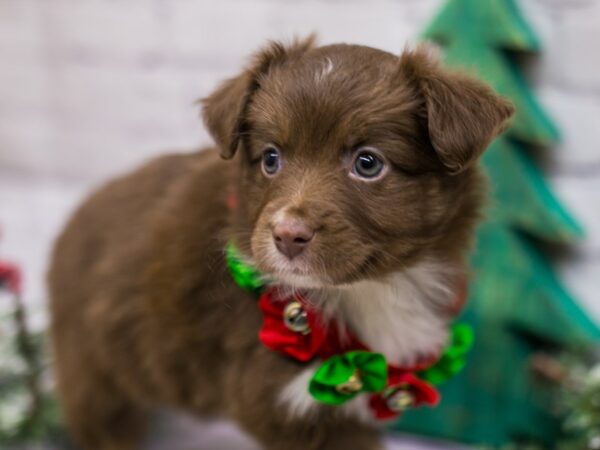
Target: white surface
(176,432)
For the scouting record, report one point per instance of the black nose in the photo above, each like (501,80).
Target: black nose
(292,236)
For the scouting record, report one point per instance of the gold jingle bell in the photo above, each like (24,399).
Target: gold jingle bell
(400,399)
(295,318)
(352,386)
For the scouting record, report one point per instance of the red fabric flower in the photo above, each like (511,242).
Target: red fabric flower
(404,390)
(276,335)
(10,277)
(323,340)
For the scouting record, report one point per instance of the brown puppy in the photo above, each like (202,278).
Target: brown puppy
(355,181)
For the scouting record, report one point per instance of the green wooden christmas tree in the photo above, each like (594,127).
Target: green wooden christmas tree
(517,305)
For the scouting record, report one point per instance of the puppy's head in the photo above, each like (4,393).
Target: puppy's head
(354,162)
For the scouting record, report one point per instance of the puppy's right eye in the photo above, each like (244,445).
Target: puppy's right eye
(368,165)
(271,160)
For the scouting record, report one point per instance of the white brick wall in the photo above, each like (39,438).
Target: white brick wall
(92,87)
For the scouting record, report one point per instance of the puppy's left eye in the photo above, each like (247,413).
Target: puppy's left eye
(368,164)
(271,160)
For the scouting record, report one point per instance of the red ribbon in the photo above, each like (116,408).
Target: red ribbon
(323,340)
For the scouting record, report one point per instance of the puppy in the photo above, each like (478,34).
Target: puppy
(353,193)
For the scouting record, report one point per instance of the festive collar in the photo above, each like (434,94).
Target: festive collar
(293,328)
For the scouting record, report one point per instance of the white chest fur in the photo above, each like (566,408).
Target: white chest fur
(398,317)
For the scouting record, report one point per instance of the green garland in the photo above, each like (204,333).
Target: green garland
(245,275)
(29,411)
(453,358)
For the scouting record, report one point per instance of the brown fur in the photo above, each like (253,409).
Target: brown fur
(144,311)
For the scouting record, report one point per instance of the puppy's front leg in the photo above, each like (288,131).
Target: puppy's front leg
(254,398)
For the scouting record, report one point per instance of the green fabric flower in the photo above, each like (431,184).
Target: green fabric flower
(244,275)
(342,377)
(454,357)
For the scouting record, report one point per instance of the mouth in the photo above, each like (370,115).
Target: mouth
(297,272)
(301,281)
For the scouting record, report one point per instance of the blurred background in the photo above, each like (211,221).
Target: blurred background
(92,88)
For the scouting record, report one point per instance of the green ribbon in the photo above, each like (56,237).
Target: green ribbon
(244,275)
(369,368)
(454,357)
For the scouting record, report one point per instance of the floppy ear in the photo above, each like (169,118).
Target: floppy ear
(463,114)
(224,111)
